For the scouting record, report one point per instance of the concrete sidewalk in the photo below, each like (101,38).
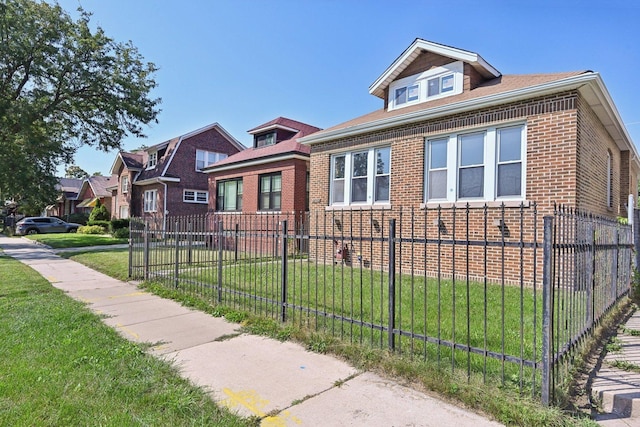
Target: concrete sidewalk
(280,382)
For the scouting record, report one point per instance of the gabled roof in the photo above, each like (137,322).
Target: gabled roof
(69,185)
(98,184)
(132,161)
(269,153)
(417,47)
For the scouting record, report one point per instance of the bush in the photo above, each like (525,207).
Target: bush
(78,218)
(120,233)
(99,213)
(104,224)
(119,223)
(92,229)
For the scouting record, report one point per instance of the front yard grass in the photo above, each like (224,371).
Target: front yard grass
(61,366)
(75,240)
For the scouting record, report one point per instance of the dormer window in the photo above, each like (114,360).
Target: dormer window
(206,158)
(153,160)
(432,84)
(265,139)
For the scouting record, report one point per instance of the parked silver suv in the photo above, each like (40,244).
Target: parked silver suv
(44,224)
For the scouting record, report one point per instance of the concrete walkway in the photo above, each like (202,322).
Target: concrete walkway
(280,382)
(618,390)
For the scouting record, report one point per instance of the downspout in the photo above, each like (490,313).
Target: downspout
(164,216)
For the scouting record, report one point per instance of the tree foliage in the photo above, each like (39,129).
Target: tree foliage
(99,213)
(63,85)
(76,172)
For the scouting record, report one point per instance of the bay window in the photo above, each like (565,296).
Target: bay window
(361,177)
(484,165)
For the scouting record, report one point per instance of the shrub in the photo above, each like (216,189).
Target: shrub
(119,223)
(635,286)
(78,218)
(120,233)
(99,213)
(104,224)
(92,229)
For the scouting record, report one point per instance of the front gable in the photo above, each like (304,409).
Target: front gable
(429,71)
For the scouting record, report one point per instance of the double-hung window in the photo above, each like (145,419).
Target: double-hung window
(485,165)
(153,160)
(150,201)
(195,196)
(270,192)
(206,158)
(229,195)
(124,184)
(361,177)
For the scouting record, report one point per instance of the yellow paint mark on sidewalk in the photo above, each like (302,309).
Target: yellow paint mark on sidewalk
(52,279)
(128,331)
(250,400)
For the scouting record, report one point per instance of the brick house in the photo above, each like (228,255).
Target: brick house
(93,189)
(271,176)
(67,199)
(455,132)
(168,178)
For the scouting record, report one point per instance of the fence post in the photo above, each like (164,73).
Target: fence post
(283,273)
(614,266)
(235,243)
(547,309)
(636,235)
(130,250)
(189,242)
(392,283)
(591,275)
(176,270)
(220,254)
(145,255)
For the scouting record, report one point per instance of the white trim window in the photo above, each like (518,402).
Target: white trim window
(124,184)
(485,165)
(153,160)
(433,84)
(361,177)
(205,158)
(124,212)
(150,201)
(609,180)
(195,196)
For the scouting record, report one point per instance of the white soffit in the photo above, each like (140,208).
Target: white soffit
(416,48)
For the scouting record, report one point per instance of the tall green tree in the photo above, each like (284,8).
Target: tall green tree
(75,171)
(63,85)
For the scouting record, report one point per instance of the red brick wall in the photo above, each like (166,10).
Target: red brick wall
(294,175)
(562,133)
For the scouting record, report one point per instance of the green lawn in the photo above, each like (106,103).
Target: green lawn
(61,366)
(75,240)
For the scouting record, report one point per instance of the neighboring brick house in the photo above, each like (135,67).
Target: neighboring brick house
(454,131)
(168,178)
(271,176)
(93,189)
(67,199)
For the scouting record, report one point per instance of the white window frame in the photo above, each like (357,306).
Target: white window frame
(490,164)
(124,211)
(204,157)
(195,196)
(371,178)
(150,202)
(421,80)
(153,160)
(124,184)
(609,180)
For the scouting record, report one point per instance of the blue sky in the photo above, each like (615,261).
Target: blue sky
(242,63)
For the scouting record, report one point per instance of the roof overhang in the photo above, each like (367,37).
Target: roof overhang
(271,127)
(256,162)
(156,180)
(590,85)
(417,47)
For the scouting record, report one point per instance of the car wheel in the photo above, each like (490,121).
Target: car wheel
(32,231)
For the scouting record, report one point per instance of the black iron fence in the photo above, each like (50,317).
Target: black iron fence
(497,293)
